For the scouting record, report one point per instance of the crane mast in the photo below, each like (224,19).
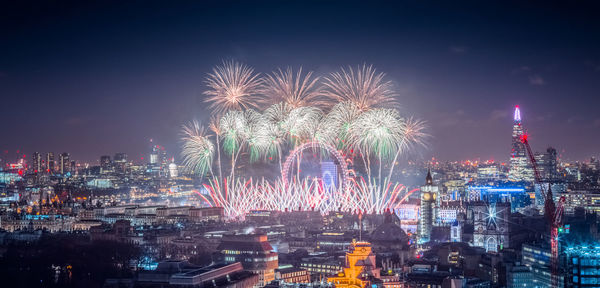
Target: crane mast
(552,212)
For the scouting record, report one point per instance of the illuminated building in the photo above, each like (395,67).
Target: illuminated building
(491,227)
(547,164)
(520,169)
(293,275)
(518,276)
(36,162)
(65,163)
(173,170)
(409,217)
(154,154)
(319,265)
(120,162)
(50,223)
(50,162)
(515,195)
(334,240)
(488,173)
(583,266)
(254,252)
(537,258)
(448,213)
(101,183)
(590,200)
(358,269)
(426,213)
(455,189)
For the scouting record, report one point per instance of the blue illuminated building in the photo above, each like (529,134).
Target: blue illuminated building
(583,266)
(537,258)
(516,196)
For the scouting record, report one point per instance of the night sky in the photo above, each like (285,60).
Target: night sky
(105,77)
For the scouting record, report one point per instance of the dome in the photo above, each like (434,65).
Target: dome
(389,232)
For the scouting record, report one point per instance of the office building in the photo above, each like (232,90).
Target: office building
(64,163)
(36,162)
(582,266)
(120,162)
(50,162)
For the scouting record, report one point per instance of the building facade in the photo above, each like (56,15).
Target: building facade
(491,226)
(254,252)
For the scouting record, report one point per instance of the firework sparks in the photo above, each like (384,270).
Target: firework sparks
(198,150)
(240,197)
(232,86)
(355,125)
(302,123)
(333,129)
(378,132)
(293,89)
(363,86)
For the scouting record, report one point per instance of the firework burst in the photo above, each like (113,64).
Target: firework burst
(378,132)
(355,127)
(333,130)
(363,86)
(198,150)
(232,86)
(293,89)
(302,123)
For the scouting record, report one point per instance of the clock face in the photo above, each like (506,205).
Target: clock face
(363,249)
(426,196)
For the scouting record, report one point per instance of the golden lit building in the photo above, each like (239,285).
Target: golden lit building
(359,269)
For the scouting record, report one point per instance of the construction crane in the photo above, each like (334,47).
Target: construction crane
(552,211)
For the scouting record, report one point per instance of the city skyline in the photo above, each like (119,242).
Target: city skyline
(286,144)
(463,75)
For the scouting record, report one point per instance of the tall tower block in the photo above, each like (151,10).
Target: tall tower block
(519,166)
